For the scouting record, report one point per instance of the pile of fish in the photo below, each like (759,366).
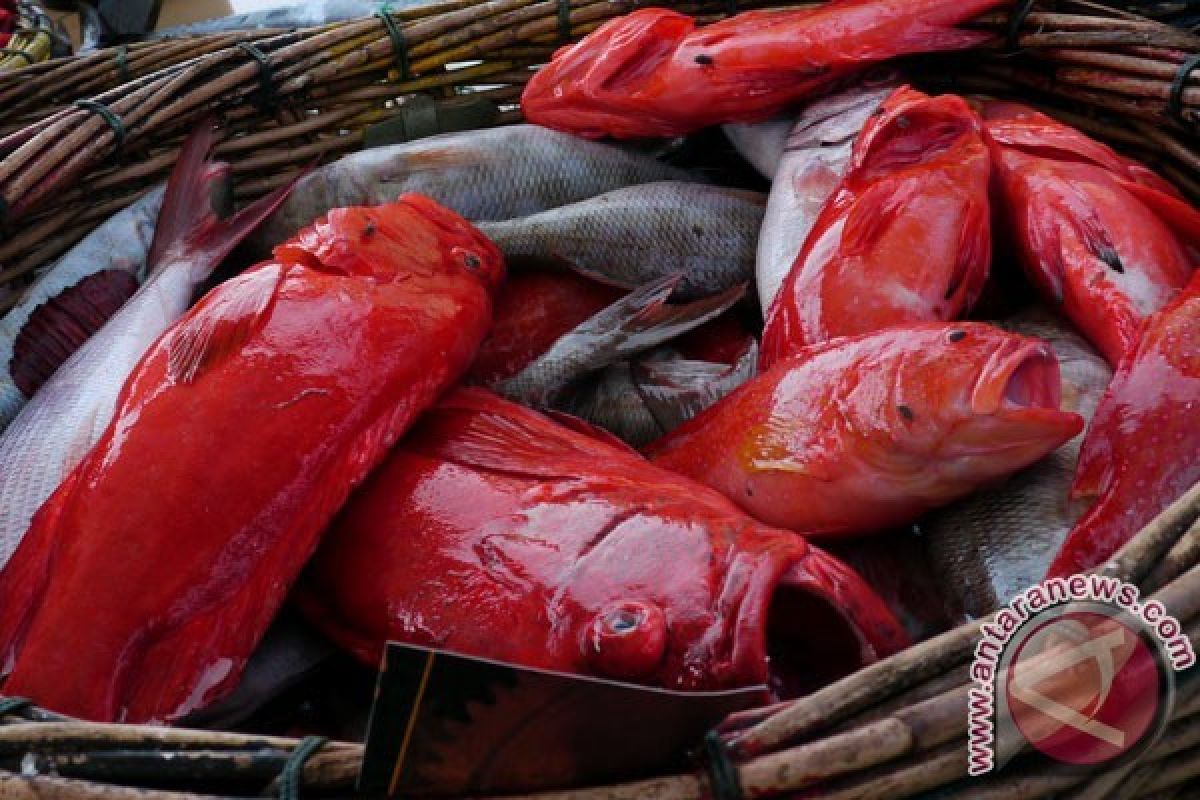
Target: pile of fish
(618,422)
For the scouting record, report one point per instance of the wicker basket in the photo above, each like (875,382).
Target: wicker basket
(896,729)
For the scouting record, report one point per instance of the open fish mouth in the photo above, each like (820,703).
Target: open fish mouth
(1020,376)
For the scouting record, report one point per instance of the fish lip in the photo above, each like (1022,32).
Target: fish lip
(1021,377)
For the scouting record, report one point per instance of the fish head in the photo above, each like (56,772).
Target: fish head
(978,402)
(707,599)
(911,129)
(394,241)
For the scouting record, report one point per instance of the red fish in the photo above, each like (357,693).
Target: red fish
(1142,450)
(866,433)
(654,73)
(577,555)
(148,577)
(533,310)
(1097,234)
(904,238)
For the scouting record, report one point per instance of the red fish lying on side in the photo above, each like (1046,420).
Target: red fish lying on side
(866,433)
(654,73)
(533,310)
(904,238)
(148,577)
(1142,450)
(577,555)
(1097,234)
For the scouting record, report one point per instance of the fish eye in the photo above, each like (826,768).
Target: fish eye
(626,640)
(472,261)
(956,335)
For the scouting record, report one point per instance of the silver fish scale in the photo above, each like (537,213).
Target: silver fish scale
(121,243)
(1001,540)
(57,428)
(816,154)
(638,234)
(494,174)
(611,400)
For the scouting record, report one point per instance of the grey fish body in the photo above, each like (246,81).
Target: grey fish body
(816,155)
(634,324)
(999,541)
(121,243)
(494,174)
(641,400)
(761,143)
(292,15)
(634,235)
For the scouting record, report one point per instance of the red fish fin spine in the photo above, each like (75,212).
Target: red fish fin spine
(61,325)
(188,228)
(1179,215)
(221,324)
(974,254)
(574,423)
(878,630)
(23,579)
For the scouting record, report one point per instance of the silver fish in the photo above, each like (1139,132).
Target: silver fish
(641,400)
(639,321)
(116,252)
(495,174)
(761,143)
(1000,541)
(631,236)
(59,425)
(814,160)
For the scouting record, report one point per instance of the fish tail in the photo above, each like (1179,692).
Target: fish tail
(189,229)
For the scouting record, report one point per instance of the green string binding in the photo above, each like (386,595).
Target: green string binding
(399,43)
(107,114)
(289,778)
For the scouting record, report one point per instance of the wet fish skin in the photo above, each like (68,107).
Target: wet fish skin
(1001,539)
(235,441)
(816,152)
(637,322)
(637,234)
(761,143)
(656,73)
(494,174)
(59,425)
(866,433)
(656,580)
(905,237)
(533,310)
(641,400)
(1097,234)
(1142,451)
(118,247)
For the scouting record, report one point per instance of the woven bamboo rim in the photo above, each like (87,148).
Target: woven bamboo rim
(61,173)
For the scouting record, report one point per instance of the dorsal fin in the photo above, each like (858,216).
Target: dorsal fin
(222,322)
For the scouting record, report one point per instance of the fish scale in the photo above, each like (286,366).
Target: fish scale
(494,174)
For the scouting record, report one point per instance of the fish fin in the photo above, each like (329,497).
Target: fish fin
(873,212)
(222,322)
(60,326)
(640,320)
(497,435)
(579,425)
(975,248)
(188,228)
(675,391)
(1179,215)
(1095,471)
